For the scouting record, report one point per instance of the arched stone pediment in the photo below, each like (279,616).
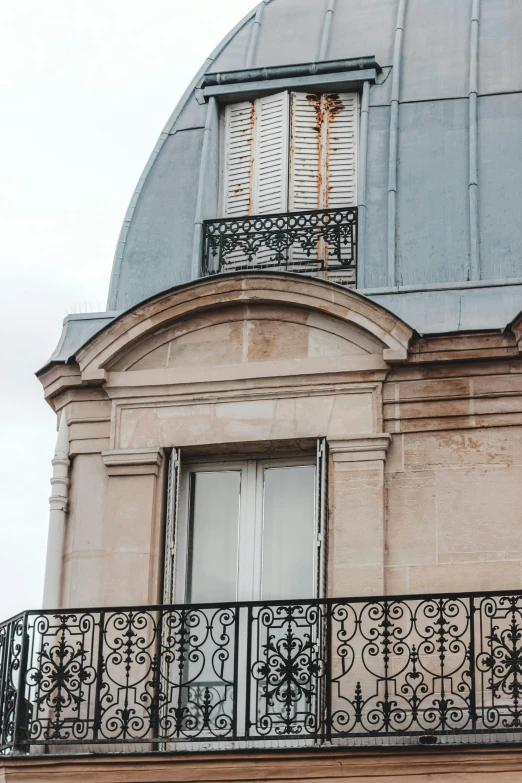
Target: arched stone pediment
(244,319)
(245,334)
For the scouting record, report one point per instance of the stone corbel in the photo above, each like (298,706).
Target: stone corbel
(361,448)
(133,462)
(516,328)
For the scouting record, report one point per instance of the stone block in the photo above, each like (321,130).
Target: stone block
(464,577)
(478,509)
(411,519)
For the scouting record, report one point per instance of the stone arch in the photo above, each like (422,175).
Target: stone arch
(371,325)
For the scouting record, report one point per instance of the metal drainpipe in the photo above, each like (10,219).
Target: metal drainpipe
(327,30)
(57,518)
(361,195)
(254,35)
(475,267)
(210,125)
(394,145)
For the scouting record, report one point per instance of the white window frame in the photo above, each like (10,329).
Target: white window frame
(249,573)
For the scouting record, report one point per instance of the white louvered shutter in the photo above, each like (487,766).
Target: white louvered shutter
(171,526)
(324,135)
(323,156)
(342,113)
(342,117)
(321,496)
(306,152)
(307,175)
(239,156)
(271,145)
(256,166)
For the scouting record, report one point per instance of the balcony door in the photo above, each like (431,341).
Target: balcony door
(242,531)
(247,531)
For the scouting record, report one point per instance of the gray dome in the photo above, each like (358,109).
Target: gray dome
(442,198)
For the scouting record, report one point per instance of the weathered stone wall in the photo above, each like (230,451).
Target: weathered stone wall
(454,477)
(425,449)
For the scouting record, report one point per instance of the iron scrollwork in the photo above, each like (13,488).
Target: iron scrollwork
(306,242)
(11,636)
(332,670)
(287,670)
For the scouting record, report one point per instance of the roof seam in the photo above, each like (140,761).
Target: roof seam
(120,246)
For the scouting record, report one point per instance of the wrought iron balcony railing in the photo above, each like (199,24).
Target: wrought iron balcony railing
(424,668)
(306,242)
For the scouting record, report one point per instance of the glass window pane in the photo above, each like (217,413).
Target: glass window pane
(214,536)
(288,533)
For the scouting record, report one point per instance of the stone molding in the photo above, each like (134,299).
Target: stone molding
(374,765)
(133,462)
(208,293)
(60,483)
(361,448)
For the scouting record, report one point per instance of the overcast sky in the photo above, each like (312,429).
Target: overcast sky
(86,87)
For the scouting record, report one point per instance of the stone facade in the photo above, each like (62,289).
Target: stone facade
(422,427)
(425,456)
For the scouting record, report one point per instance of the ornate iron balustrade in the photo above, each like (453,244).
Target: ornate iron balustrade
(306,242)
(333,671)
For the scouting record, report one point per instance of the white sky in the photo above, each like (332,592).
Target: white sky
(85,89)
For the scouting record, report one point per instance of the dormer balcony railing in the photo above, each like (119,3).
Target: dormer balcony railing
(429,669)
(322,241)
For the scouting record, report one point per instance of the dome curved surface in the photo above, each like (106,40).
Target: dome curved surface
(428,50)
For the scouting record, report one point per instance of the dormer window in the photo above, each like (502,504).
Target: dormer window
(290,152)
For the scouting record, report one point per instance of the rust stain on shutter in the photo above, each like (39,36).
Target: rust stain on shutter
(333,107)
(317,104)
(249,130)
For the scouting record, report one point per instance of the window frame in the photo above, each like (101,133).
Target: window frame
(250,534)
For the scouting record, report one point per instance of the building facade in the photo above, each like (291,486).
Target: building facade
(285,537)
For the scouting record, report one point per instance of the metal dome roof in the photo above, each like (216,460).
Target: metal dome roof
(444,172)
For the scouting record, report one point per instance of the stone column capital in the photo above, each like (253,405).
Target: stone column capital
(369,447)
(133,462)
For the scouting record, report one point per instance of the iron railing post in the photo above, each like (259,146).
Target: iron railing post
(204,252)
(7,630)
(21,716)
(235,674)
(99,676)
(248,671)
(472,656)
(328,652)
(155,708)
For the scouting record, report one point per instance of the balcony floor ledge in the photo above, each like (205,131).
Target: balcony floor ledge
(500,764)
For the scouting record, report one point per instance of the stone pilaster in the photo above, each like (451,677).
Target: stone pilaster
(132,526)
(357,520)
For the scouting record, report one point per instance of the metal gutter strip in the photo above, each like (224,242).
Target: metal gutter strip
(252,89)
(289,71)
